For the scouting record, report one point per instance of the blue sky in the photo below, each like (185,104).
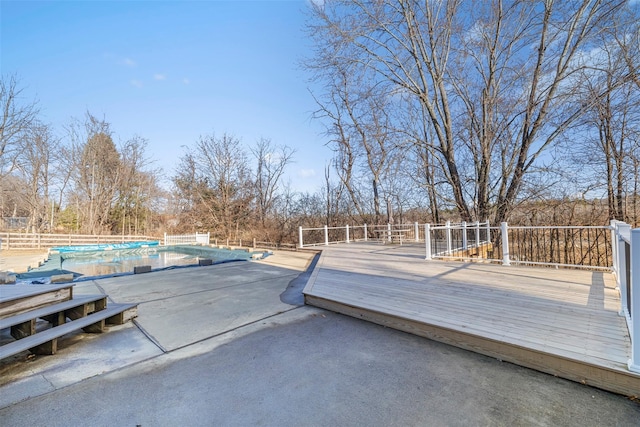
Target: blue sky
(170,71)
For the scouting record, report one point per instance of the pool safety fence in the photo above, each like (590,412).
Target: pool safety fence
(25,241)
(205,239)
(187,239)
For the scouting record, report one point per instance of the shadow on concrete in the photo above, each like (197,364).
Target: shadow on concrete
(293,294)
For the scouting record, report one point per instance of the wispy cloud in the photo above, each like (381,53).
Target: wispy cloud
(136,83)
(128,62)
(186,81)
(306,173)
(120,60)
(159,77)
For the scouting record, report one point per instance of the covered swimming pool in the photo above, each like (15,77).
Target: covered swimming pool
(91,261)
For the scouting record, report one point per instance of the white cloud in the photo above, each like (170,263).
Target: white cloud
(119,60)
(128,62)
(186,81)
(136,83)
(159,77)
(306,173)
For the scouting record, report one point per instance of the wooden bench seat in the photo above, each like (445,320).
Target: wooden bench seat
(45,342)
(16,299)
(45,311)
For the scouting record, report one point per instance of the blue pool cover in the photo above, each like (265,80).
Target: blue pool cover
(105,247)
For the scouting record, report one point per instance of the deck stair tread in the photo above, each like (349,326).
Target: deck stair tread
(55,332)
(49,309)
(16,299)
(15,292)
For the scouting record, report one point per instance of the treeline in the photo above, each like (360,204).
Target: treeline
(519,111)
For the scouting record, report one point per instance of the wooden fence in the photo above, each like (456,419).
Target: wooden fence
(44,241)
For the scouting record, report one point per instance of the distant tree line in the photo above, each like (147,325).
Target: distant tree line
(519,111)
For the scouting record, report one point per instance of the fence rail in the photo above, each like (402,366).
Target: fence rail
(24,241)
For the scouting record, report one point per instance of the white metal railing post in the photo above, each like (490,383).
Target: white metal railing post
(365,232)
(389,231)
(347,229)
(505,243)
(416,230)
(621,276)
(427,241)
(478,237)
(634,362)
(300,237)
(448,227)
(614,251)
(488,231)
(464,235)
(326,235)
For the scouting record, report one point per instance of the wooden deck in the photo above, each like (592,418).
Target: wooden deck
(559,321)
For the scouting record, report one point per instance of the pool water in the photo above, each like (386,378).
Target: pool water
(86,264)
(123,262)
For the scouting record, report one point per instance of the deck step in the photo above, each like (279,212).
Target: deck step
(52,309)
(45,342)
(16,299)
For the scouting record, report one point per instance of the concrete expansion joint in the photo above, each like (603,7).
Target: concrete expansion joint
(228,331)
(149,336)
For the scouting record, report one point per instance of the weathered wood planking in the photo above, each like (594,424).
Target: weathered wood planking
(563,322)
(16,299)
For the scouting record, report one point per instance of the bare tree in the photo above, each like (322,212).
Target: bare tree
(36,167)
(17,118)
(215,180)
(97,173)
(362,135)
(493,104)
(271,163)
(138,189)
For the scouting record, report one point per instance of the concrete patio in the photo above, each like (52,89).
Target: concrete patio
(233,345)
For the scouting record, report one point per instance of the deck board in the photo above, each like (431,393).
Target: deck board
(566,318)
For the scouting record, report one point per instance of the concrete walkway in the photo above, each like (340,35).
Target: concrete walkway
(232,345)
(19,261)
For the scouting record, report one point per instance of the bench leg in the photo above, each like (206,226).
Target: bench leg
(56,319)
(47,348)
(24,329)
(95,328)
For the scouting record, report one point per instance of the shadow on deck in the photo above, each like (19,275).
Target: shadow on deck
(559,321)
